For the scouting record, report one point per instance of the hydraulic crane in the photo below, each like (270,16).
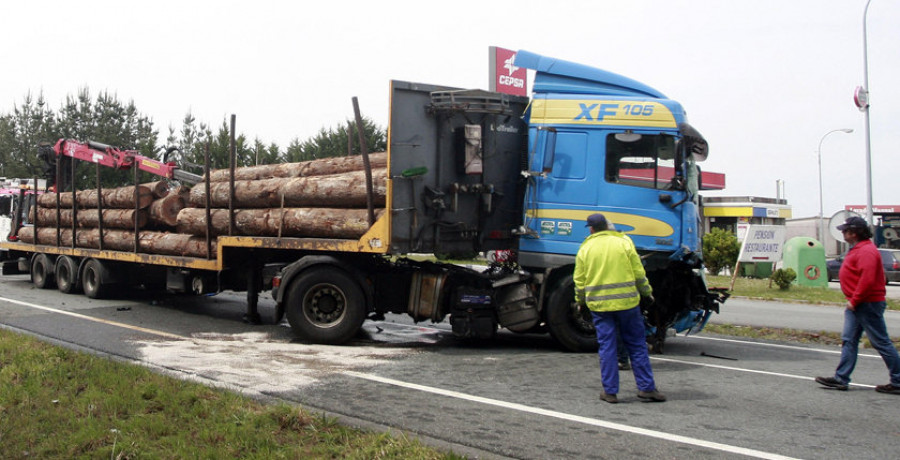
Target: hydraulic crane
(114,157)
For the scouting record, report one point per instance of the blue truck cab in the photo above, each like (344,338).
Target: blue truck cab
(601,142)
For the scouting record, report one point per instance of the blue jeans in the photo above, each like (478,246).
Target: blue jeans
(629,324)
(869,317)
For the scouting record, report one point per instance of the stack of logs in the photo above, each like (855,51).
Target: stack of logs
(323,198)
(154,215)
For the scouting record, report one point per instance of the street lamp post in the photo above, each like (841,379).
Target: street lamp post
(869,214)
(821,229)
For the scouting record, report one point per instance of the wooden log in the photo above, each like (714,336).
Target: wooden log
(48,200)
(121,198)
(112,218)
(345,190)
(164,211)
(292,222)
(319,167)
(115,240)
(174,244)
(159,188)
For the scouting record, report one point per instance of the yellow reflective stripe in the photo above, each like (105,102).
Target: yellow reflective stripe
(609,286)
(624,295)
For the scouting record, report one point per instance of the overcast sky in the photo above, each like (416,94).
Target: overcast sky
(763,80)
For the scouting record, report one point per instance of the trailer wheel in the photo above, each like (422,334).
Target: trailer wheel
(92,279)
(42,272)
(325,305)
(570,325)
(67,275)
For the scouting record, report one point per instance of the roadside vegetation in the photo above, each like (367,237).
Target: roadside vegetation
(765,290)
(60,403)
(762,289)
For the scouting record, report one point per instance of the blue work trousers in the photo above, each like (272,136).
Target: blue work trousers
(629,324)
(869,317)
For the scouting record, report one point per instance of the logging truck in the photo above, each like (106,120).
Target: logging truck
(466,172)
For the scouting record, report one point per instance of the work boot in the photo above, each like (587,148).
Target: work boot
(832,383)
(888,388)
(654,396)
(610,398)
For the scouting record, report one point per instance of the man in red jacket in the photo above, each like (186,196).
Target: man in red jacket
(862,282)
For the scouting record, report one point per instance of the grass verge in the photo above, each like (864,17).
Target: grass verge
(785,334)
(60,403)
(762,289)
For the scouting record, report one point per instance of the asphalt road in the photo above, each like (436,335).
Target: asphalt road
(519,396)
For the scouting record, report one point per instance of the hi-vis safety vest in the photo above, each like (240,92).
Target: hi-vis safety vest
(608,274)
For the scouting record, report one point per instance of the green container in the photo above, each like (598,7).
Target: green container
(807,257)
(762,270)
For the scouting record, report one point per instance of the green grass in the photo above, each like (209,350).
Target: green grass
(762,289)
(59,403)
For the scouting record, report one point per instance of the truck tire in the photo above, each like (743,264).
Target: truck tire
(325,305)
(42,274)
(92,279)
(569,325)
(67,275)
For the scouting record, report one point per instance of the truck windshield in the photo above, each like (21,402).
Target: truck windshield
(641,160)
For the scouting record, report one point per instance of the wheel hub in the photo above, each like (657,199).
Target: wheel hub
(324,306)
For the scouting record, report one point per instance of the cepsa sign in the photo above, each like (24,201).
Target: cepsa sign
(505,76)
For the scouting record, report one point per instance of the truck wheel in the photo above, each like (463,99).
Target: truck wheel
(67,275)
(570,325)
(325,305)
(42,272)
(92,279)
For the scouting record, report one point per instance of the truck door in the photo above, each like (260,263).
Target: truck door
(628,175)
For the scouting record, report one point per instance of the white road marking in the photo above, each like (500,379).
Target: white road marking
(572,418)
(742,369)
(730,368)
(91,318)
(777,345)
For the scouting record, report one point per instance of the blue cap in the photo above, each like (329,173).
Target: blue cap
(853,222)
(596,220)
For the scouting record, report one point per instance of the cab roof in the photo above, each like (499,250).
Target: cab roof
(559,76)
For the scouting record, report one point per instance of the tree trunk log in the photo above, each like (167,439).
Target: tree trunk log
(294,222)
(320,167)
(164,211)
(159,188)
(120,198)
(174,244)
(112,218)
(347,190)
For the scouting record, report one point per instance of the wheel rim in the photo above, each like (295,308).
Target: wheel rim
(38,272)
(580,317)
(62,275)
(90,279)
(324,305)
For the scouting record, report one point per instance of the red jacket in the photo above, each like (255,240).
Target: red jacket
(862,274)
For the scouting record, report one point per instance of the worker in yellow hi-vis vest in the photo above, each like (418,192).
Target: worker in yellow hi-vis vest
(609,281)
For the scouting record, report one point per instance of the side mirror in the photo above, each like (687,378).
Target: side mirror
(544,151)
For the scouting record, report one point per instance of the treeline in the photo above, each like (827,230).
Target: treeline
(108,120)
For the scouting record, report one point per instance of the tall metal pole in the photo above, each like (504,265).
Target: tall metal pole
(869,215)
(820,231)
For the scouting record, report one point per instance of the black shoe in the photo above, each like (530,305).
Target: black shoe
(624,366)
(654,396)
(889,389)
(831,382)
(612,399)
